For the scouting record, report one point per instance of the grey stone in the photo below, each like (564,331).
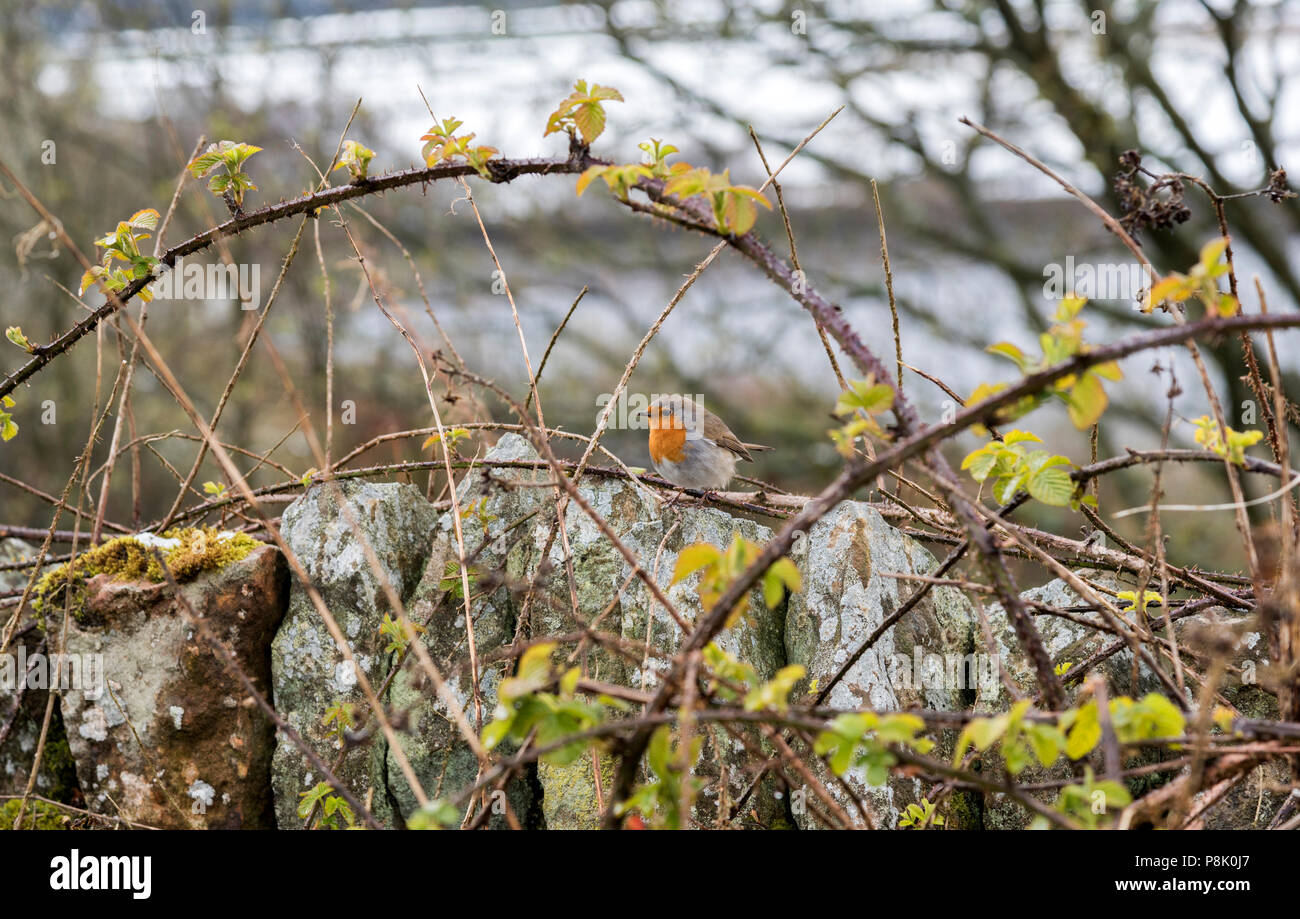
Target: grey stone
(918,662)
(755,638)
(161,731)
(23,712)
(507,529)
(310,673)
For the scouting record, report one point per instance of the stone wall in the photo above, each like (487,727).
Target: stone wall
(175,740)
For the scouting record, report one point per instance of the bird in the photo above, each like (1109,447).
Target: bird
(691,447)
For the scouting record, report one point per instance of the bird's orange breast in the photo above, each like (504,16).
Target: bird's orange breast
(667,444)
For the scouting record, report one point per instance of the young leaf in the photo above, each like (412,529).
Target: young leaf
(15,334)
(1084,732)
(588,175)
(693,558)
(1087,401)
(1051,486)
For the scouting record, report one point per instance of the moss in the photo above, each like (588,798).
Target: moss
(37,816)
(58,765)
(126,558)
(964,811)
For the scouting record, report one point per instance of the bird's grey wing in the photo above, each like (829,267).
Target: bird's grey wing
(721,435)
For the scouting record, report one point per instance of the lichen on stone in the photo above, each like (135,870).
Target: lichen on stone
(188,553)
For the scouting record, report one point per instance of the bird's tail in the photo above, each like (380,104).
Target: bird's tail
(758,447)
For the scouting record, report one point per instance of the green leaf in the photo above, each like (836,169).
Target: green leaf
(1154,716)
(589,175)
(786,570)
(1175,287)
(15,334)
(693,558)
(867,395)
(1087,401)
(1114,794)
(687,183)
(590,119)
(201,165)
(1109,370)
(605,93)
(583,109)
(436,815)
(146,219)
(981,462)
(534,673)
(89,278)
(776,693)
(878,763)
(355,158)
(1084,732)
(454,436)
(1212,251)
(1016,755)
(899,727)
(738,214)
(839,748)
(1007,487)
(773,590)
(494,732)
(535,664)
(1047,742)
(752,193)
(236,154)
(1011,352)
(1068,308)
(1052,486)
(982,733)
(658,751)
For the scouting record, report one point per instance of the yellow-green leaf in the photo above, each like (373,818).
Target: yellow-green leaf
(785,569)
(1087,401)
(1212,251)
(1084,733)
(693,558)
(587,177)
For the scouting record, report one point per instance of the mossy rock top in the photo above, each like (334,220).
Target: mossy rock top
(187,553)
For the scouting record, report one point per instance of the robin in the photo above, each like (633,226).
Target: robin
(691,447)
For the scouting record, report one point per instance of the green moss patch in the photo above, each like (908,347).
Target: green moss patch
(188,552)
(37,816)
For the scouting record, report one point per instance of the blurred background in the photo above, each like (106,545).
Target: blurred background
(124,89)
